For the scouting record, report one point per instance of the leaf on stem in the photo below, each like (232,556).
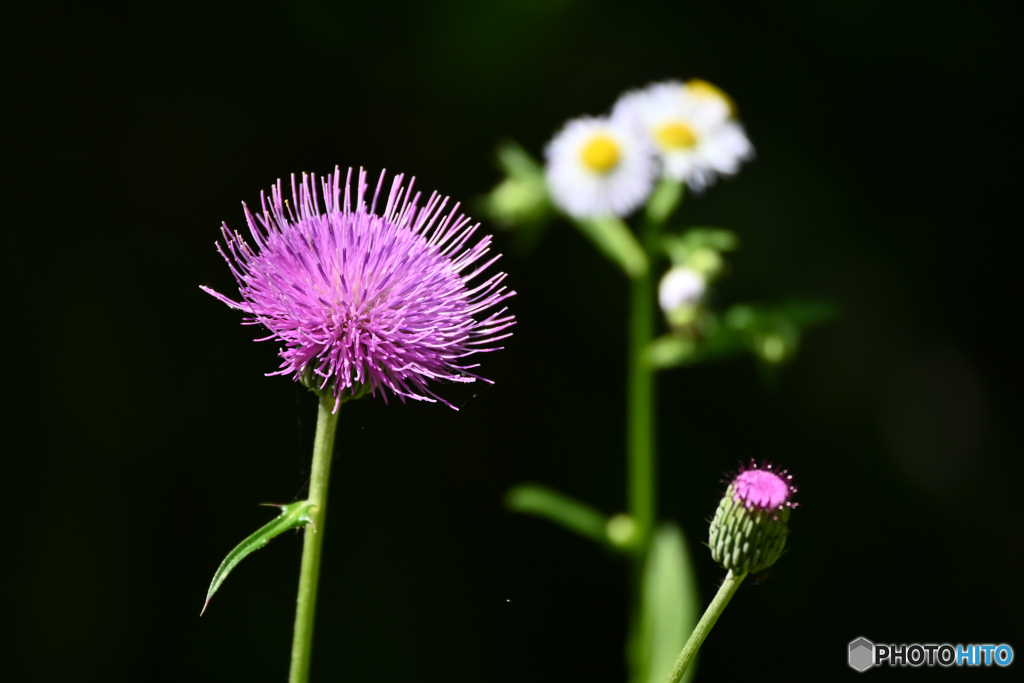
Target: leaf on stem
(293,516)
(683,249)
(702,237)
(669,607)
(575,515)
(772,333)
(670,350)
(615,240)
(664,200)
(520,202)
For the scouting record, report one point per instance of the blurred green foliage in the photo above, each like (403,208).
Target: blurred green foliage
(667,614)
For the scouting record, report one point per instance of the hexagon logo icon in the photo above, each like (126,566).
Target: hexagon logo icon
(862,654)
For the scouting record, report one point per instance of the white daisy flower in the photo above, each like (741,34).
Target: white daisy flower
(599,167)
(692,126)
(679,287)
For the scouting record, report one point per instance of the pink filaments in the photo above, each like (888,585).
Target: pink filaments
(763,488)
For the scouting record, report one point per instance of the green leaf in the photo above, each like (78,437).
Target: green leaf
(675,248)
(575,515)
(615,240)
(520,202)
(669,608)
(523,196)
(770,332)
(664,200)
(773,333)
(670,350)
(718,239)
(717,342)
(699,248)
(293,516)
(516,161)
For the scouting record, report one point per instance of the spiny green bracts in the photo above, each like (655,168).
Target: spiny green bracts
(748,533)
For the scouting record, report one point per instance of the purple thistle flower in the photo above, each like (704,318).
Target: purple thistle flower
(366,301)
(764,489)
(749,530)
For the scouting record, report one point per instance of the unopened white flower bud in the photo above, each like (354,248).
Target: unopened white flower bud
(680,287)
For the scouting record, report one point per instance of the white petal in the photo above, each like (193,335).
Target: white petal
(582,192)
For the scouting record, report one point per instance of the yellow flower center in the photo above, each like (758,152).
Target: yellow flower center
(601,154)
(704,90)
(676,135)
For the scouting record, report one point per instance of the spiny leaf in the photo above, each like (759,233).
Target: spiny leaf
(292,516)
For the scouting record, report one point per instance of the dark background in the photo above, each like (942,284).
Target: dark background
(140,434)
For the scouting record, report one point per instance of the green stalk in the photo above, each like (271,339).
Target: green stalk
(641,422)
(705,625)
(323,450)
(640,454)
(642,465)
(641,405)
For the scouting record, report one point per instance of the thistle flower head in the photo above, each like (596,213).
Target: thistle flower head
(748,533)
(359,300)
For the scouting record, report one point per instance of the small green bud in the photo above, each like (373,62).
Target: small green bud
(748,533)
(682,316)
(773,348)
(707,262)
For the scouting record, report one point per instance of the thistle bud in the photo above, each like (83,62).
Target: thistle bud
(748,533)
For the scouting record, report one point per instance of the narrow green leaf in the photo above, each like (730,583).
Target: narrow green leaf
(664,200)
(675,248)
(292,516)
(718,239)
(615,240)
(572,514)
(669,608)
(670,350)
(516,161)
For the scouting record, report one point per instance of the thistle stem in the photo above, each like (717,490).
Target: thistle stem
(704,626)
(323,450)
